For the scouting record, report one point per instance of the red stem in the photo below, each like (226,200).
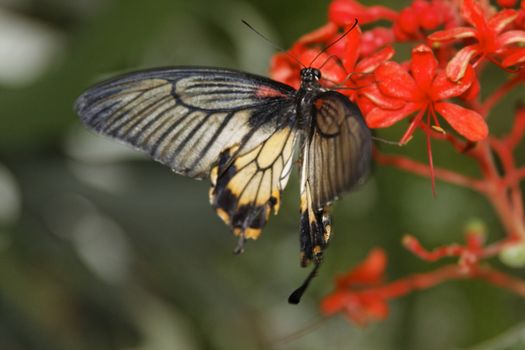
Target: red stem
(422,169)
(510,181)
(430,279)
(497,193)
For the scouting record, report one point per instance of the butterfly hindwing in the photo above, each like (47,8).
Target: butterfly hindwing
(246,189)
(186,117)
(336,157)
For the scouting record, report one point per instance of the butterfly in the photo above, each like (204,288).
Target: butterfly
(244,132)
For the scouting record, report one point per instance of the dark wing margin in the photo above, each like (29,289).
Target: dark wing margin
(186,117)
(336,157)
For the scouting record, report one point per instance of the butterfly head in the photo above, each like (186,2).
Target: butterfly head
(310,75)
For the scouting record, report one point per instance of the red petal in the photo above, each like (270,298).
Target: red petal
(466,122)
(284,70)
(376,309)
(336,301)
(453,34)
(514,57)
(375,38)
(364,309)
(380,100)
(457,66)
(399,34)
(364,104)
(512,37)
(443,87)
(408,21)
(352,49)
(435,15)
(472,92)
(423,66)
(321,35)
(370,271)
(382,118)
(370,63)
(342,12)
(507,3)
(472,12)
(500,20)
(394,81)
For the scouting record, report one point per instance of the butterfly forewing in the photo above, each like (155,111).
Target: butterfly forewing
(336,157)
(186,117)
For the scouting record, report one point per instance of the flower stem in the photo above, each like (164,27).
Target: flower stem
(430,279)
(422,169)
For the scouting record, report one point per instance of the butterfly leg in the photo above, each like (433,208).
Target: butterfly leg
(239,248)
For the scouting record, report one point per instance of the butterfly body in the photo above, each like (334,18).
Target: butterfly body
(243,131)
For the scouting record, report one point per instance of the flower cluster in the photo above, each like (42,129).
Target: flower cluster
(452,43)
(436,89)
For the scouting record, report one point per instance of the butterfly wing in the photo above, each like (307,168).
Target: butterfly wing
(246,189)
(186,117)
(336,157)
(239,127)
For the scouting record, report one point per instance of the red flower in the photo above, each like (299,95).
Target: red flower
(361,308)
(424,91)
(343,12)
(487,32)
(374,39)
(514,57)
(421,16)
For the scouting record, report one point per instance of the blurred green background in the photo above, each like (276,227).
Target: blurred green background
(101,248)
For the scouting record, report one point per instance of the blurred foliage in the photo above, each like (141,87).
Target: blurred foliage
(101,248)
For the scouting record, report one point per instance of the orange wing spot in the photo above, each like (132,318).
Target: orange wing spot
(319,103)
(265,91)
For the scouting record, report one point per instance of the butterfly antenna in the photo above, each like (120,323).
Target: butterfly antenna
(336,59)
(275,46)
(334,42)
(297,294)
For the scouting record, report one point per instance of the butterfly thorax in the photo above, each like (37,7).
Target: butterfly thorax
(309,91)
